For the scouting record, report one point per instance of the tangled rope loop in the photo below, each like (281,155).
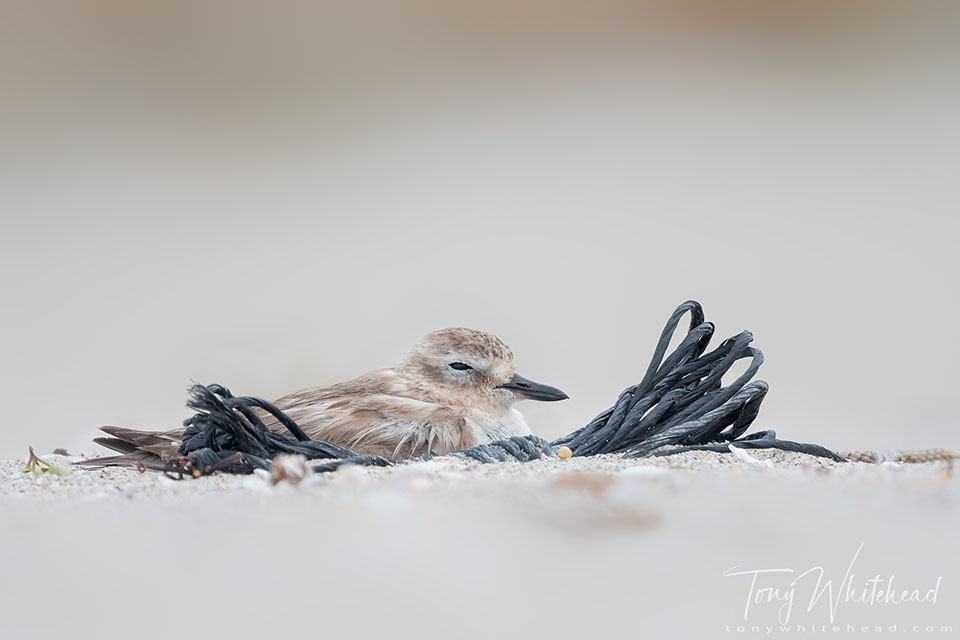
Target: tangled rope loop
(681,400)
(227,435)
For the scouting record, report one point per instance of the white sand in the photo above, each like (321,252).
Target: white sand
(587,547)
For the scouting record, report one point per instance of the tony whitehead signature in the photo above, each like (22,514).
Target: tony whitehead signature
(873,591)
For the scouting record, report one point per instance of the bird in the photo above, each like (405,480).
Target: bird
(455,389)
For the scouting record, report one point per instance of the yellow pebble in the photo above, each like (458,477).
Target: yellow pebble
(564,453)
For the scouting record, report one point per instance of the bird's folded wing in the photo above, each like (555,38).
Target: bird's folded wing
(379,424)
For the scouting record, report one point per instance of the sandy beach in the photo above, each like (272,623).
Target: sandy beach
(552,548)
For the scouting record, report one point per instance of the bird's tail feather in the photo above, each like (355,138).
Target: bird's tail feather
(151,449)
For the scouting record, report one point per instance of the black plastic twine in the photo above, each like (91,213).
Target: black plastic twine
(680,401)
(225,426)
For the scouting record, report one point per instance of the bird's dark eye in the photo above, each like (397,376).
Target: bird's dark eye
(459,366)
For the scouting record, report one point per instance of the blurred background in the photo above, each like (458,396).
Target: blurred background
(274,195)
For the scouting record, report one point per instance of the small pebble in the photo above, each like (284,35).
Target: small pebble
(564,452)
(289,468)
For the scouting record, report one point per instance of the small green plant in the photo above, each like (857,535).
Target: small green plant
(36,465)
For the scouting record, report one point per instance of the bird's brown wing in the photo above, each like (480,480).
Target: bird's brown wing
(380,424)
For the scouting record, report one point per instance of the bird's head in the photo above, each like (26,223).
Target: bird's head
(472,367)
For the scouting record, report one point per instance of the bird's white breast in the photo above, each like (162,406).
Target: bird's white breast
(487,427)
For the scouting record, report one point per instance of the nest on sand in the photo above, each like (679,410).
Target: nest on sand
(679,405)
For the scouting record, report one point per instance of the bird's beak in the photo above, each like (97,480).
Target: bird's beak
(533,390)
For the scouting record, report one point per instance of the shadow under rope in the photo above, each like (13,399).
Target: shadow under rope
(680,403)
